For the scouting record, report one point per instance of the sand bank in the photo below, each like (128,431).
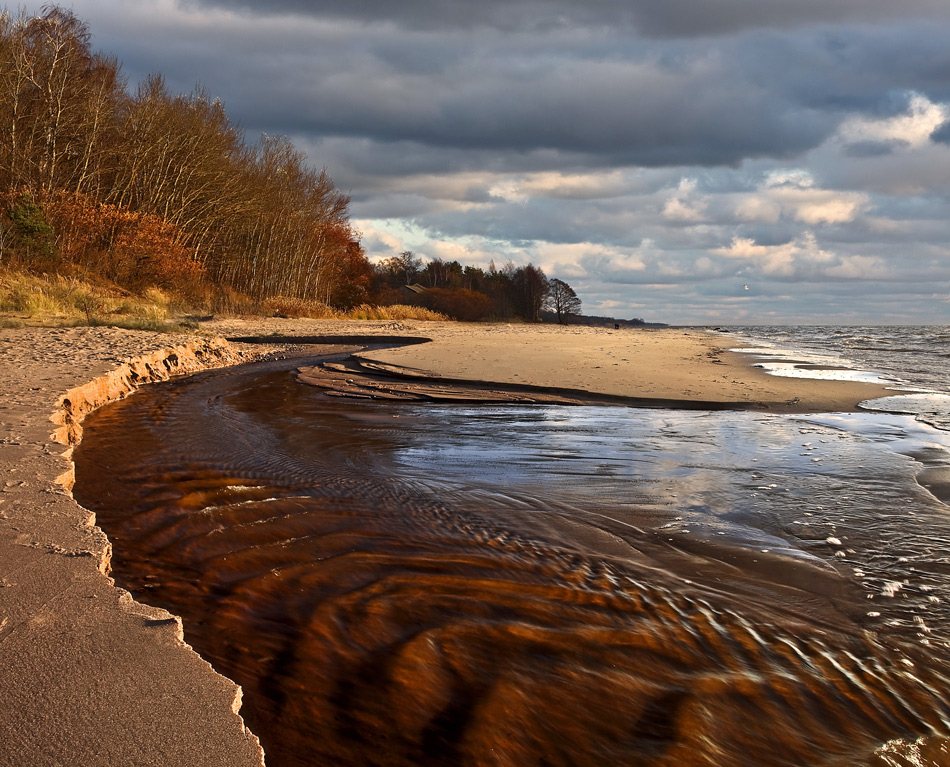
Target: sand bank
(92,677)
(89,676)
(666,366)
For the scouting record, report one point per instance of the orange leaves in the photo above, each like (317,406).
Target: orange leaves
(134,250)
(349,273)
(147,246)
(154,188)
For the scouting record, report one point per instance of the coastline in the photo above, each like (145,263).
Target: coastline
(670,366)
(92,676)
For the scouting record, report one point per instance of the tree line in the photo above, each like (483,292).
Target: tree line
(147,187)
(472,293)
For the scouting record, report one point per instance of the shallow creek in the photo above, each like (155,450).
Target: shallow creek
(446,584)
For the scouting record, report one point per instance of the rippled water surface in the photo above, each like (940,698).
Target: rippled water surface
(906,357)
(540,585)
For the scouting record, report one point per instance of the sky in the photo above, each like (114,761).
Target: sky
(680,161)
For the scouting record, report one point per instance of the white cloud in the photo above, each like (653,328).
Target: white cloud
(580,186)
(798,178)
(467,254)
(378,241)
(785,260)
(685,204)
(911,129)
(509,190)
(822,206)
(860,268)
(795,195)
(628,262)
(759,209)
(893,156)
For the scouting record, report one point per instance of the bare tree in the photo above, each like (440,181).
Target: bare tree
(59,102)
(402,269)
(180,158)
(562,300)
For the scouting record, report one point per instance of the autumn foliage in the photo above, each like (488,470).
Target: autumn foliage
(471,293)
(134,249)
(152,188)
(458,303)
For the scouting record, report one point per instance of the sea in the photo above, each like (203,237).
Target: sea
(508,584)
(911,358)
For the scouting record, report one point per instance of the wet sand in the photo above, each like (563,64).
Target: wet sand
(71,644)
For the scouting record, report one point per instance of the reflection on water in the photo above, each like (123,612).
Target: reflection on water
(528,585)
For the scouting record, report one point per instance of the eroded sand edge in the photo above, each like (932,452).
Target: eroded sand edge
(90,676)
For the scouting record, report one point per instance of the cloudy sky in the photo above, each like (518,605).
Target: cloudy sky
(683,161)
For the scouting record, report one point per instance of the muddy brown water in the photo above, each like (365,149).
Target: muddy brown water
(398,584)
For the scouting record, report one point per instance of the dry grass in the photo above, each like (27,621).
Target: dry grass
(294,308)
(55,300)
(396,312)
(68,301)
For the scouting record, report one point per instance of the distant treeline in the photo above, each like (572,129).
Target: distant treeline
(153,189)
(471,293)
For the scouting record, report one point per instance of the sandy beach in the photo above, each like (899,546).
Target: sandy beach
(92,677)
(665,366)
(668,366)
(88,675)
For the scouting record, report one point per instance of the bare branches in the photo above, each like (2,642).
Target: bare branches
(258,219)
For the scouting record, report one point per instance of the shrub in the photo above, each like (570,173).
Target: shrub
(132,249)
(282,306)
(458,303)
(29,232)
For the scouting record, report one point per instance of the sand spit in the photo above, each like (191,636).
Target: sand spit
(666,367)
(663,366)
(88,675)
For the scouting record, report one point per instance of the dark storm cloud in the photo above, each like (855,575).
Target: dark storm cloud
(942,134)
(862,149)
(660,18)
(605,100)
(701,17)
(572,95)
(612,114)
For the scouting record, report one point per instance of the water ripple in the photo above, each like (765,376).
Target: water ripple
(410,585)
